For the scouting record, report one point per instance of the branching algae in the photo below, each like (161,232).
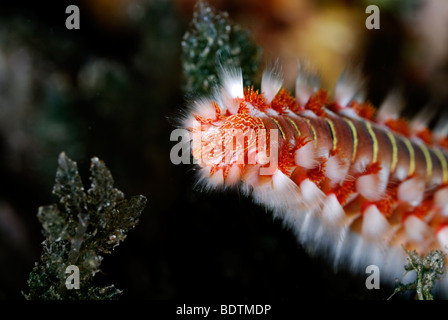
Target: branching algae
(211,40)
(79,230)
(429,269)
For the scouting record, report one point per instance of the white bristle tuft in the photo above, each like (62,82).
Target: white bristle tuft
(412,191)
(282,193)
(334,170)
(421,120)
(251,175)
(234,175)
(340,245)
(280,181)
(441,201)
(208,182)
(306,156)
(441,129)
(390,108)
(312,195)
(205,109)
(189,122)
(442,237)
(374,224)
(271,83)
(349,113)
(232,82)
(332,213)
(217,178)
(221,97)
(401,173)
(360,166)
(307,82)
(373,186)
(232,88)
(416,230)
(349,86)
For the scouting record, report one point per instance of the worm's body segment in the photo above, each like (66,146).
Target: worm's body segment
(354,183)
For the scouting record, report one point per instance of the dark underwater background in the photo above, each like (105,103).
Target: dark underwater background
(110,89)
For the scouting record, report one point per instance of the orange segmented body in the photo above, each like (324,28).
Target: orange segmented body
(352,182)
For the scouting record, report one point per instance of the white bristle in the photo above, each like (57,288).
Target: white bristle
(441,201)
(271,83)
(349,113)
(441,129)
(412,191)
(205,109)
(390,108)
(307,82)
(217,178)
(334,170)
(209,182)
(251,175)
(280,181)
(416,230)
(189,122)
(234,175)
(374,224)
(232,88)
(442,237)
(349,86)
(332,212)
(232,82)
(306,156)
(373,186)
(421,120)
(280,193)
(340,245)
(311,193)
(401,173)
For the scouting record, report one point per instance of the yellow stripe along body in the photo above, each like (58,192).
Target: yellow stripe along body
(402,150)
(374,141)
